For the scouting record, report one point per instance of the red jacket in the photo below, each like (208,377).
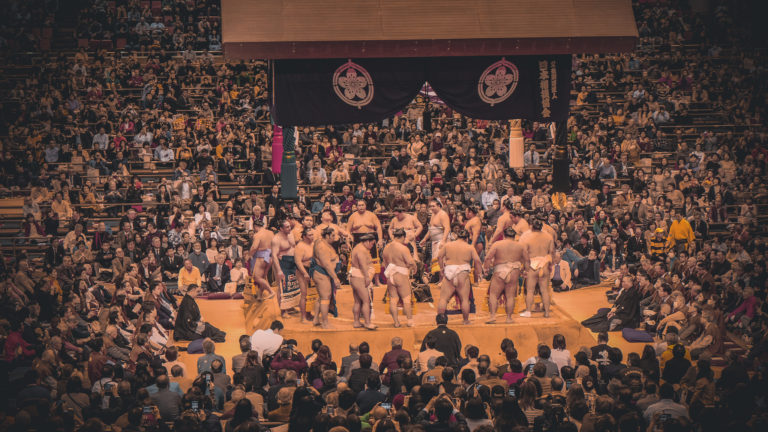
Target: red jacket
(12,344)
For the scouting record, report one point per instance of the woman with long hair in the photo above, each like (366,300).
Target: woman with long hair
(323,361)
(649,363)
(243,414)
(304,408)
(527,401)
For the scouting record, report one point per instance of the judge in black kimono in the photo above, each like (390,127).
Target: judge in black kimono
(624,313)
(189,323)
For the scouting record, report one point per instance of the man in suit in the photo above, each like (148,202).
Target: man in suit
(125,234)
(121,264)
(346,362)
(587,271)
(561,274)
(171,264)
(156,249)
(359,377)
(274,200)
(217,274)
(234,250)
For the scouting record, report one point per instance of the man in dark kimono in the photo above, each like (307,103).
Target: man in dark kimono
(189,323)
(625,311)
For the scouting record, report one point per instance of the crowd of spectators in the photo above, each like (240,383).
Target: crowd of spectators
(133,162)
(175,25)
(23,23)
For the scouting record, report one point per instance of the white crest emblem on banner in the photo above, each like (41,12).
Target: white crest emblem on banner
(498,82)
(353,84)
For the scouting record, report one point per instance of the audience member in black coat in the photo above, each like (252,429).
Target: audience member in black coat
(359,377)
(447,340)
(675,369)
(625,311)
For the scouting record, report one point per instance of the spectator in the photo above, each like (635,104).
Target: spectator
(205,362)
(167,401)
(446,340)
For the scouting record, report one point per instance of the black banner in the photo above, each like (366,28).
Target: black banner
(493,88)
(336,91)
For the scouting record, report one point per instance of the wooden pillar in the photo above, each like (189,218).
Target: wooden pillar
(289,189)
(516,147)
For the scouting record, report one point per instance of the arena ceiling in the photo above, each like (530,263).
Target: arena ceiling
(284,29)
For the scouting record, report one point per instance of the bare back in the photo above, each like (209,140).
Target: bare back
(538,243)
(262,240)
(458,253)
(398,254)
(507,251)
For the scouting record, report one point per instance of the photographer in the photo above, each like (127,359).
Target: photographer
(446,415)
(288,358)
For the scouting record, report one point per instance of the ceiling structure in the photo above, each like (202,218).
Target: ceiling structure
(304,29)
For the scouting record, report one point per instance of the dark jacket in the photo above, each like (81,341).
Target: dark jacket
(447,342)
(627,307)
(455,424)
(359,377)
(210,272)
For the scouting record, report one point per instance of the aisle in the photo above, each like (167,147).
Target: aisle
(227,315)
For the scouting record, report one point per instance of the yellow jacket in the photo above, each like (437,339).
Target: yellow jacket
(680,231)
(187,278)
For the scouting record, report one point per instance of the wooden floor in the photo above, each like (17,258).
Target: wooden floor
(583,303)
(570,309)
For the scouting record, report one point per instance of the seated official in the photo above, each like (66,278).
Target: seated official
(189,322)
(189,275)
(217,274)
(625,311)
